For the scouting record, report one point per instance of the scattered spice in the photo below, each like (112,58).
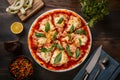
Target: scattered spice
(21,68)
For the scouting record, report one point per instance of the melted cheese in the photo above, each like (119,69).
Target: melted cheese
(57,18)
(74,56)
(83,39)
(44,21)
(41,41)
(73,48)
(49,36)
(65,38)
(44,56)
(75,21)
(64,58)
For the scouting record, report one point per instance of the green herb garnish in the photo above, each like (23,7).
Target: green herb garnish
(53,46)
(94,10)
(58,58)
(60,47)
(77,53)
(47,27)
(72,29)
(80,42)
(49,49)
(44,50)
(60,20)
(80,31)
(54,36)
(39,35)
(68,50)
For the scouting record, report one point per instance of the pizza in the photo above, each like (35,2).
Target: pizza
(59,40)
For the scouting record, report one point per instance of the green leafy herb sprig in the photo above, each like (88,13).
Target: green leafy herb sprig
(94,10)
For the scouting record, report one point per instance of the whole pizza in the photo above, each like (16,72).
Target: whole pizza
(59,40)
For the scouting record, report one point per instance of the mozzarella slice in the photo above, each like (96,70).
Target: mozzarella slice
(73,48)
(74,56)
(57,17)
(75,21)
(43,23)
(44,56)
(65,38)
(64,58)
(41,41)
(82,38)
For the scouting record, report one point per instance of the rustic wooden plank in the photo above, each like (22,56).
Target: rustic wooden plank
(106,32)
(37,5)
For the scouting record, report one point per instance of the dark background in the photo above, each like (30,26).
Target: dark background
(106,32)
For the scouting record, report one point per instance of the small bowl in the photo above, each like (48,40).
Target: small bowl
(21,68)
(13,46)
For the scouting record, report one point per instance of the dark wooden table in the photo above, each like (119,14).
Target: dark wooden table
(106,32)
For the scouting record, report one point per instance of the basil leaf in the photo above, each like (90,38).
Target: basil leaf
(60,20)
(54,36)
(72,29)
(68,50)
(44,50)
(80,32)
(58,58)
(39,35)
(60,47)
(53,46)
(77,53)
(47,27)
(80,42)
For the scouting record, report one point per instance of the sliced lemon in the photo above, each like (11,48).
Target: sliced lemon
(16,27)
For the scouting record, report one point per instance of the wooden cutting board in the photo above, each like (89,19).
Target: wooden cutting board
(37,5)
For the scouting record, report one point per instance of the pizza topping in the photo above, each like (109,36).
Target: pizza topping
(77,52)
(49,49)
(60,47)
(49,36)
(72,29)
(54,36)
(68,50)
(80,31)
(44,49)
(38,35)
(41,41)
(83,39)
(60,20)
(75,21)
(80,42)
(44,56)
(46,24)
(47,27)
(58,58)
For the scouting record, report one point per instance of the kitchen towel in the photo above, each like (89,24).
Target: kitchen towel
(110,73)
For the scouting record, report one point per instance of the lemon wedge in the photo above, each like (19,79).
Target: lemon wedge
(16,27)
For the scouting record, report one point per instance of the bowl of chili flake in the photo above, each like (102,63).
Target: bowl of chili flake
(21,68)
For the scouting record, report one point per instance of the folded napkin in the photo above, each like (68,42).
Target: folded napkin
(110,73)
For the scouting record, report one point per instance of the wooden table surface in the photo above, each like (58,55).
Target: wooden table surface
(106,32)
